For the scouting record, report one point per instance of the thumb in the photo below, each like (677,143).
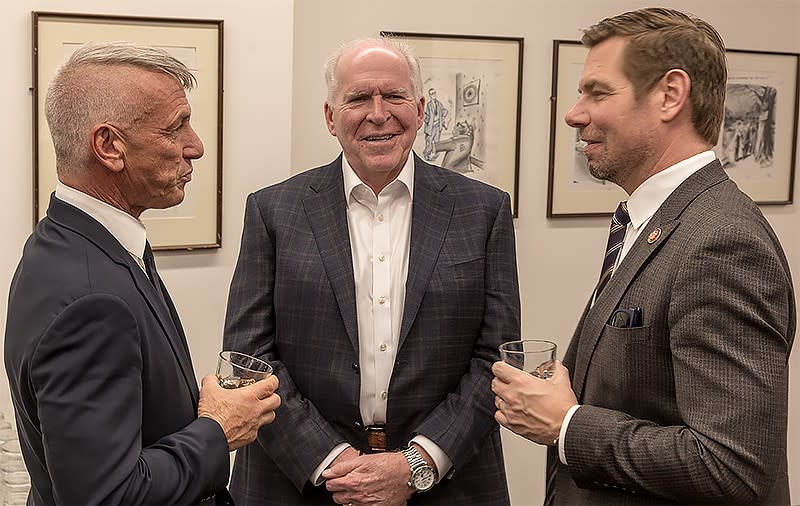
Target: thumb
(340,469)
(209,378)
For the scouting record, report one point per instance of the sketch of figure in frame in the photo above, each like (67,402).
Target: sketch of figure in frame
(455,116)
(748,131)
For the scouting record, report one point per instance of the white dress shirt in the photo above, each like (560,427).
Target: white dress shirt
(642,205)
(129,231)
(380,239)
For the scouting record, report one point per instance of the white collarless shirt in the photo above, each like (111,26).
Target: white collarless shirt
(642,205)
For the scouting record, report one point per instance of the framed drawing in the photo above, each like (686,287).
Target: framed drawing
(757,143)
(473,94)
(197,221)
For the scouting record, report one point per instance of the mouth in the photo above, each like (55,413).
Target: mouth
(187,177)
(379,138)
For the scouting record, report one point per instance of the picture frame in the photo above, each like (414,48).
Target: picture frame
(473,94)
(196,223)
(757,80)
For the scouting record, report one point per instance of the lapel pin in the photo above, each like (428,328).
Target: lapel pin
(654,235)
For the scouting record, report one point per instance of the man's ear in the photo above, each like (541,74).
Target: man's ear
(675,87)
(108,147)
(328,110)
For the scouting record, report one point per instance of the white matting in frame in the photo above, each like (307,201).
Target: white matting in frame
(196,222)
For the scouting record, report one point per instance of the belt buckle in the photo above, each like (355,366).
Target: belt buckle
(376,438)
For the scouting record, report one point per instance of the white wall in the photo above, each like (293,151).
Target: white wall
(558,259)
(274,52)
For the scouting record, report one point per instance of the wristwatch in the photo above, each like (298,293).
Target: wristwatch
(422,475)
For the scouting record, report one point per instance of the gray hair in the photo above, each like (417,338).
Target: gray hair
(83,93)
(394,44)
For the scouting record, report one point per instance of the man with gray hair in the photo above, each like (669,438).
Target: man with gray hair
(107,403)
(379,286)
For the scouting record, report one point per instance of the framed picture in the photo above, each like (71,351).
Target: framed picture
(197,221)
(757,143)
(473,94)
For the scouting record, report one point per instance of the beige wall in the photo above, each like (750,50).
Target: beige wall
(274,52)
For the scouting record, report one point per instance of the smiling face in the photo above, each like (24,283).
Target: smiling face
(620,130)
(160,145)
(375,115)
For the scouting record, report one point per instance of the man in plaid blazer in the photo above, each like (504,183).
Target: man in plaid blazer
(676,382)
(379,287)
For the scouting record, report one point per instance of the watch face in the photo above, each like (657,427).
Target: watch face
(423,479)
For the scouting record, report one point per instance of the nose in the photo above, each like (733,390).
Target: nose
(577,117)
(193,149)
(378,112)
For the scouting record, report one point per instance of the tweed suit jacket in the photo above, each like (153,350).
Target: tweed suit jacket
(101,379)
(691,407)
(292,301)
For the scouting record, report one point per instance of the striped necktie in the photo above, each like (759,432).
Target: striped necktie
(616,235)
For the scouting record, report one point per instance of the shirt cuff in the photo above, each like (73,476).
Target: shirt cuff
(317,478)
(562,455)
(442,461)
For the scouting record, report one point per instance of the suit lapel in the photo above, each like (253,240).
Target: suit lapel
(81,223)
(327,215)
(430,217)
(667,220)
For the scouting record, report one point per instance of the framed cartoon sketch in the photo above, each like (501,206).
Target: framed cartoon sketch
(197,221)
(757,143)
(473,94)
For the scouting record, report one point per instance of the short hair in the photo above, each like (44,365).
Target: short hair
(394,44)
(661,39)
(84,92)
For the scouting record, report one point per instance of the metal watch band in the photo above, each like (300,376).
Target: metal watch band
(415,462)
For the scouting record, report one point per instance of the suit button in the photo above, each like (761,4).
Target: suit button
(358,424)
(355,368)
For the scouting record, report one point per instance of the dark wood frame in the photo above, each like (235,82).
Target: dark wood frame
(411,37)
(38,99)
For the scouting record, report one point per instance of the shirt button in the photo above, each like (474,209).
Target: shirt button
(384,395)
(380,217)
(381,300)
(381,258)
(383,346)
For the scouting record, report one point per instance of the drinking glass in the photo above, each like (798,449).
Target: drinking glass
(236,370)
(534,356)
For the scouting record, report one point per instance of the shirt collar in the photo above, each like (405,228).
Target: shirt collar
(648,197)
(129,231)
(352,181)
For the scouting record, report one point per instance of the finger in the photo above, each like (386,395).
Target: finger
(271,403)
(501,419)
(209,379)
(503,371)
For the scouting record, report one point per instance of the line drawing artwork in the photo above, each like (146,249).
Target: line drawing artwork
(457,114)
(749,131)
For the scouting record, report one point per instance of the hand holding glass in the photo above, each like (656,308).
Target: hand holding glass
(236,370)
(534,356)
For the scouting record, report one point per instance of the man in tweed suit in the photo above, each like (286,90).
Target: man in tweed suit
(379,287)
(689,404)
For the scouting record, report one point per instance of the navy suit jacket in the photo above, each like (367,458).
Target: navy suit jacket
(292,302)
(691,406)
(100,376)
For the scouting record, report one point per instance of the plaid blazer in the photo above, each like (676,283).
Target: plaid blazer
(292,302)
(691,407)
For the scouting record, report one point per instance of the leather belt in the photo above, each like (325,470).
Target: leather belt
(376,438)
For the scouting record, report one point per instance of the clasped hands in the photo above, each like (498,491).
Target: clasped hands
(378,478)
(532,407)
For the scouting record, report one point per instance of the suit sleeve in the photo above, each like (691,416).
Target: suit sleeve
(300,438)
(86,372)
(731,322)
(462,422)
